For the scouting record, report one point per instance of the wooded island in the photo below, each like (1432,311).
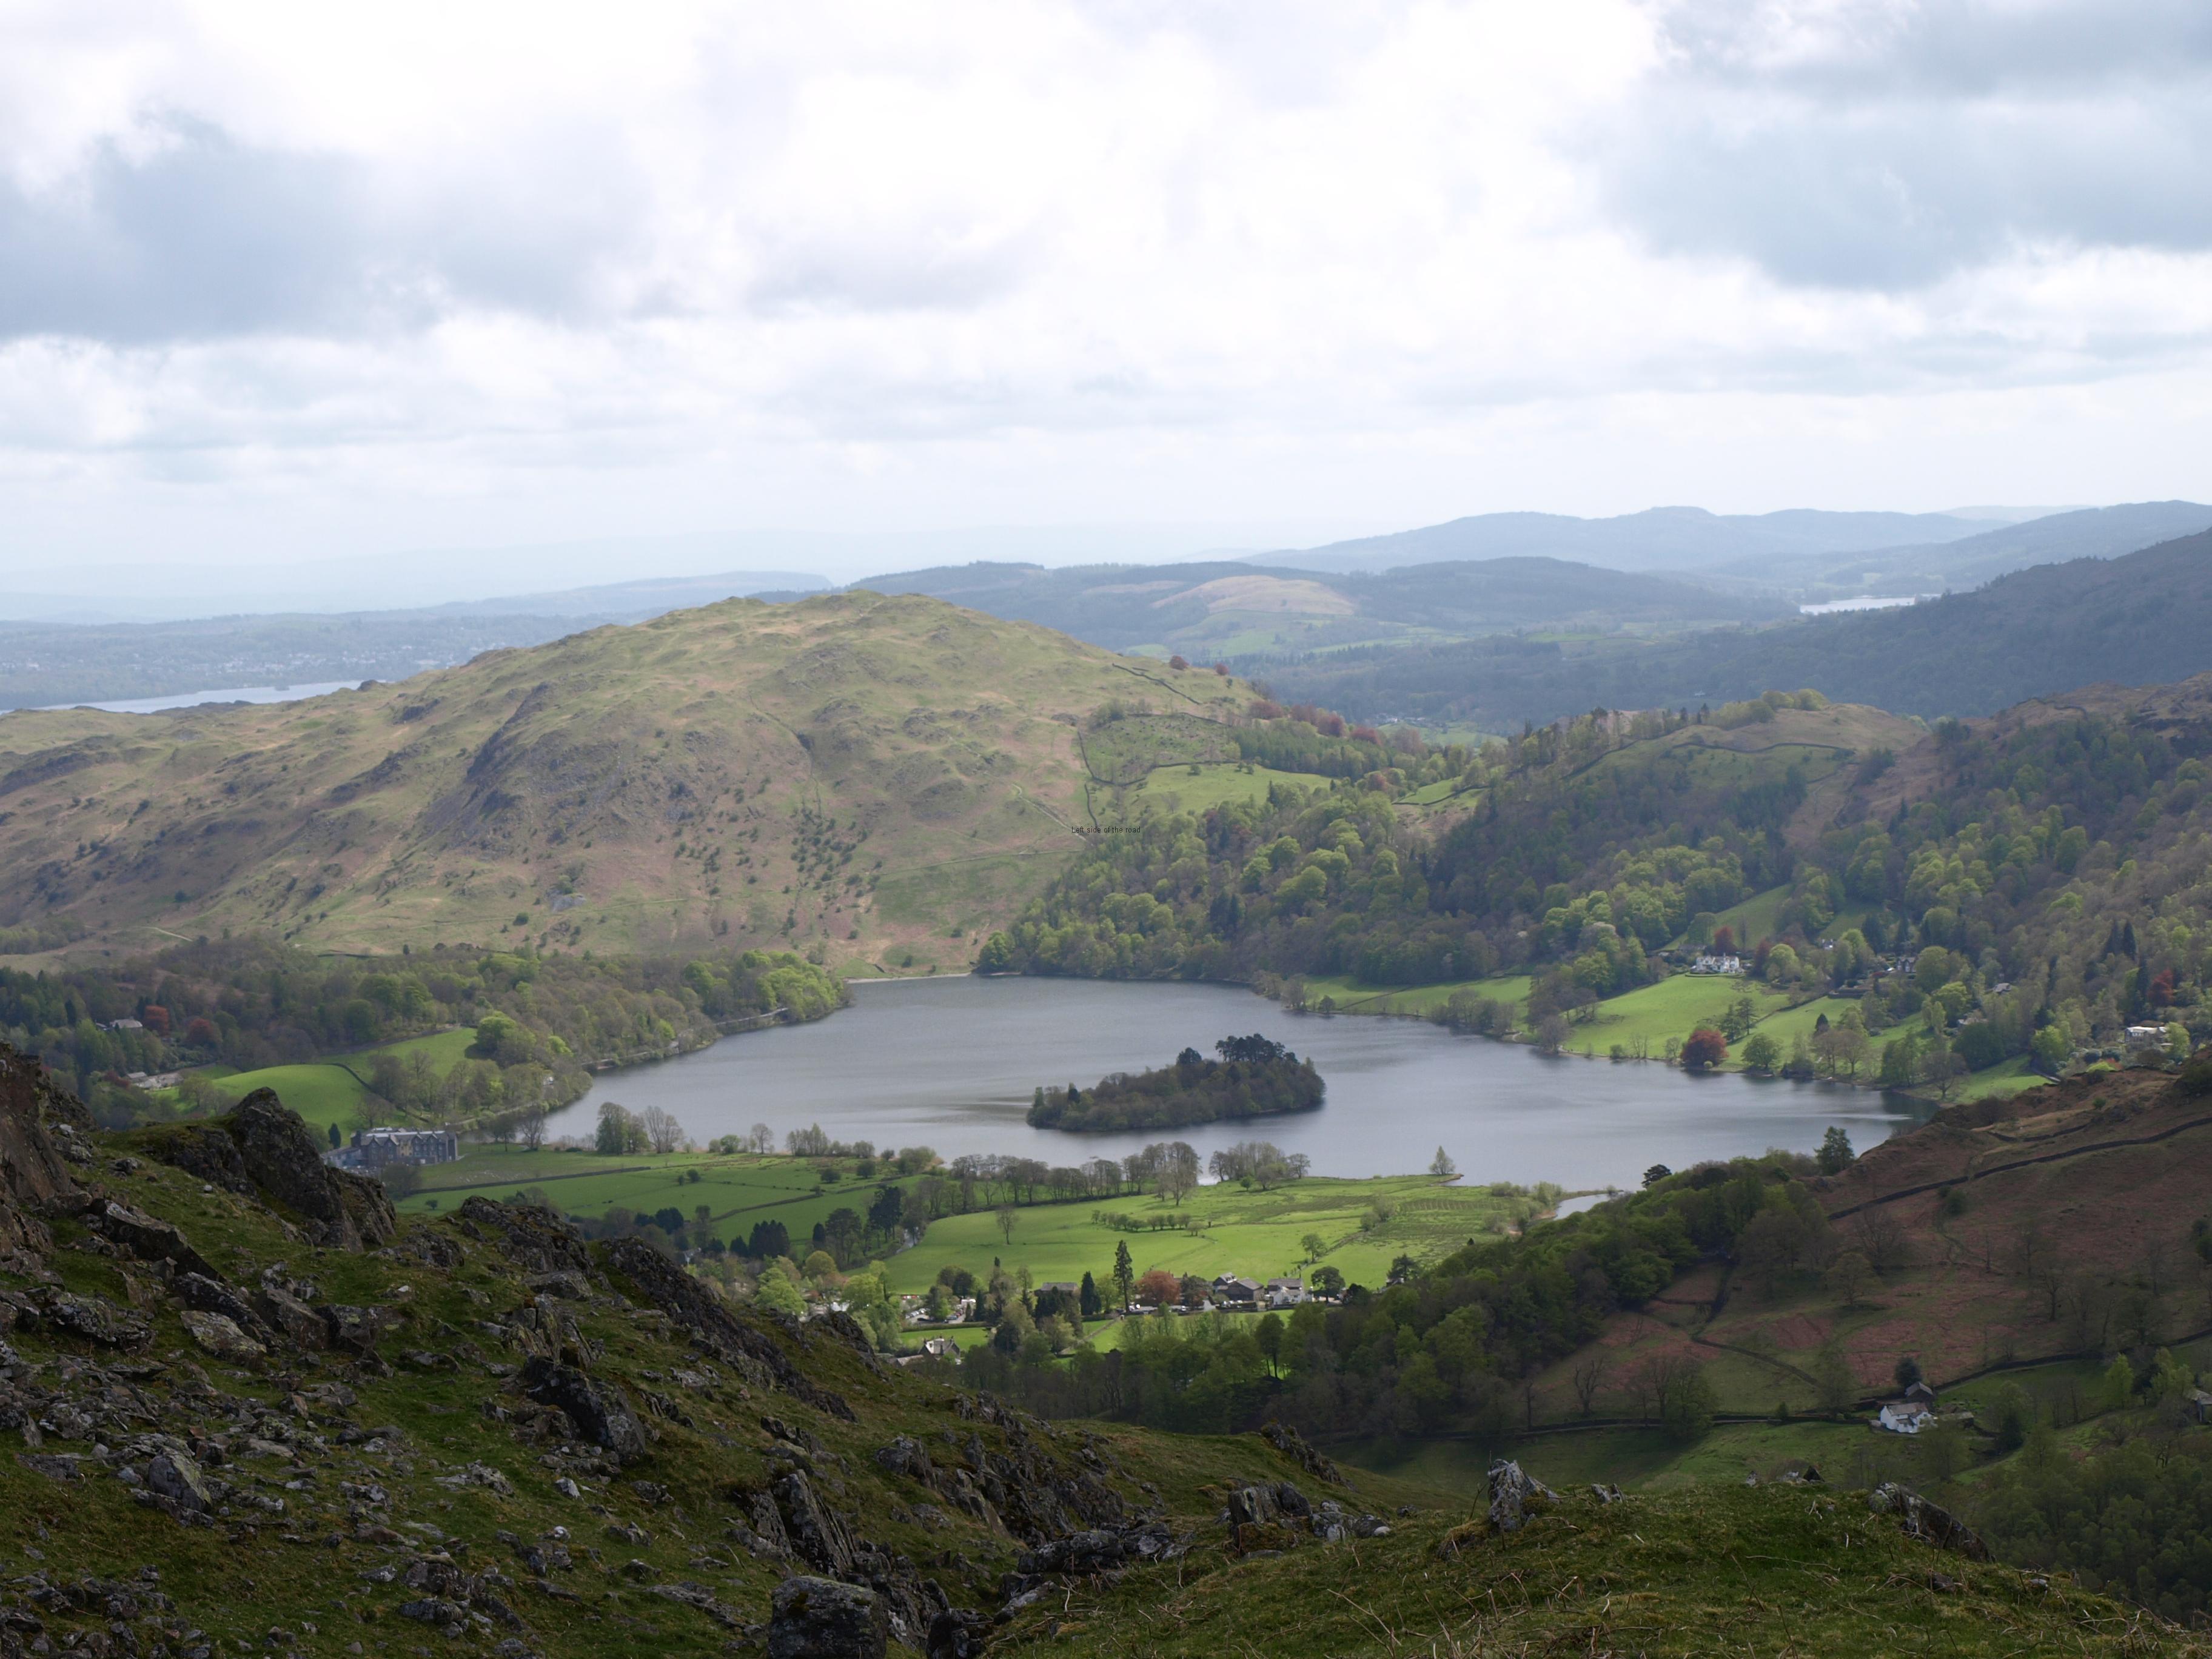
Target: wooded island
(1255,1077)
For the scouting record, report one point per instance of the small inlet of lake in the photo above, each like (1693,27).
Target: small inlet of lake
(950,1064)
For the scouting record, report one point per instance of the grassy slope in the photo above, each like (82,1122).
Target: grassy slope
(670,782)
(1967,1297)
(238,1579)
(1253,1233)
(334,1090)
(1777,1570)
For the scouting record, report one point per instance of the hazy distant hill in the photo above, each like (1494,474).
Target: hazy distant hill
(1659,538)
(2096,533)
(1209,611)
(852,773)
(2140,619)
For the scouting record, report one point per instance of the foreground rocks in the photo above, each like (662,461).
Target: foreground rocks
(1514,1494)
(821,1618)
(34,1176)
(262,1150)
(1929,1523)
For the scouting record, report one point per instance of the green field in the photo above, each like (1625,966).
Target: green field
(738,1190)
(334,1090)
(1200,788)
(1672,1008)
(2008,1077)
(1253,1233)
(1355,996)
(1757,918)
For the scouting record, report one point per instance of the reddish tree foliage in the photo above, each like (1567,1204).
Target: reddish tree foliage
(1178,662)
(1159,1289)
(1705,1049)
(1724,941)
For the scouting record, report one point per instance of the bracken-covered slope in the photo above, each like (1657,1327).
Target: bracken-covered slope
(861,773)
(479,1434)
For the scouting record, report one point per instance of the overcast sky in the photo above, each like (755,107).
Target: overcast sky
(280,282)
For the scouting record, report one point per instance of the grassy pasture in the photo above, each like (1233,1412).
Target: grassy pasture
(1253,1233)
(1201,788)
(333,1091)
(1672,1008)
(1355,996)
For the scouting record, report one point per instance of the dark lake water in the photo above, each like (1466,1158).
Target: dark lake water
(950,1063)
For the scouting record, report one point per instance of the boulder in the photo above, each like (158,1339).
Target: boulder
(93,1318)
(354,1330)
(221,1336)
(176,1477)
(208,1295)
(147,1237)
(1513,1493)
(600,1412)
(821,1618)
(283,1312)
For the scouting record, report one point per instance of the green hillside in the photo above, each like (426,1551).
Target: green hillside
(743,774)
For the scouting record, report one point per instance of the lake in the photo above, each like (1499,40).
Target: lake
(950,1064)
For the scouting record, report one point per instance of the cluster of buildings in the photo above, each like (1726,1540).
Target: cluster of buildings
(377,1149)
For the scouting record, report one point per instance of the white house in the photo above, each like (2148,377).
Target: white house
(2141,1037)
(1906,1416)
(1713,964)
(1285,1292)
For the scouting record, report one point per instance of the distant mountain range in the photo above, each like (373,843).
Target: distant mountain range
(1675,538)
(1801,554)
(2142,618)
(1234,608)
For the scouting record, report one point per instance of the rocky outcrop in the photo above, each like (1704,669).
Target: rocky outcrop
(1929,1523)
(598,1411)
(1292,1444)
(146,1237)
(821,1618)
(34,1177)
(532,1236)
(263,1150)
(713,1326)
(1514,1494)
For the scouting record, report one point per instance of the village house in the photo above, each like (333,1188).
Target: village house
(377,1149)
(1720,965)
(1285,1292)
(2142,1037)
(1233,1292)
(1911,1412)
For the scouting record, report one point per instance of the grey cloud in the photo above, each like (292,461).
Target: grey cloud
(855,274)
(1904,153)
(206,238)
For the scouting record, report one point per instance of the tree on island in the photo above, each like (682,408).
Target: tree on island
(1441,1164)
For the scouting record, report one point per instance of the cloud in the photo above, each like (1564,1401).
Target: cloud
(177,231)
(445,270)
(1888,145)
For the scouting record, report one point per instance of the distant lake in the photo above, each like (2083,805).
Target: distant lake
(950,1064)
(228,694)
